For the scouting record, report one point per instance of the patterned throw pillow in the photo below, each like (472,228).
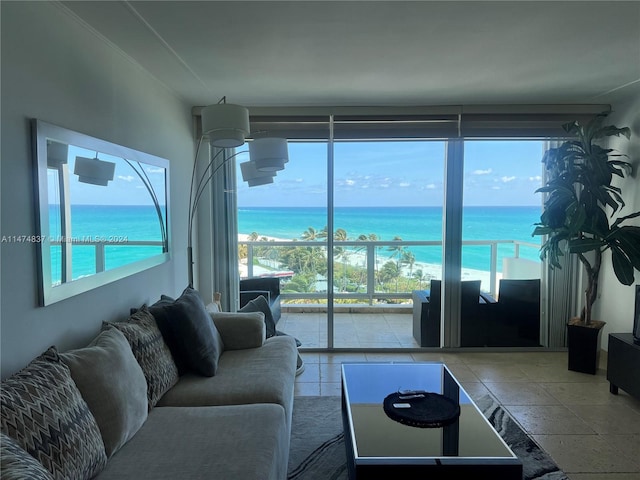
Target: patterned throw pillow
(42,409)
(17,464)
(151,352)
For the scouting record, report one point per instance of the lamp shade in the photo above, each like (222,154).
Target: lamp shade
(94,171)
(225,124)
(269,153)
(254,177)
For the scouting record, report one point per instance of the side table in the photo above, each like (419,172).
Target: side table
(623,364)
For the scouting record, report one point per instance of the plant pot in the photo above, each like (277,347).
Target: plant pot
(583,342)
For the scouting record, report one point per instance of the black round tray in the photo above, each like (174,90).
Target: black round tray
(428,409)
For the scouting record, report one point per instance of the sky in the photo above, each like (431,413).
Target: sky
(126,188)
(408,173)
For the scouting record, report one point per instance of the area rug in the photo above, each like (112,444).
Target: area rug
(318,451)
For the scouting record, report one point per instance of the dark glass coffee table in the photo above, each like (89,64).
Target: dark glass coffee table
(379,447)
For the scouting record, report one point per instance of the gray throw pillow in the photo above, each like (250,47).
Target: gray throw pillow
(113,385)
(260,304)
(194,338)
(65,439)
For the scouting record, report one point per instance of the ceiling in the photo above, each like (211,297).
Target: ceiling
(338,53)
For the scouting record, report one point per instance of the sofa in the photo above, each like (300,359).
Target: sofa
(174,391)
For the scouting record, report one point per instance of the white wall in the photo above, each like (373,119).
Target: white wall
(616,301)
(57,70)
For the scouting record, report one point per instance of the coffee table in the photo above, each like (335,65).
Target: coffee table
(379,447)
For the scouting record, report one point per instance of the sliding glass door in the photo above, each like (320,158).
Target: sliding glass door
(387,237)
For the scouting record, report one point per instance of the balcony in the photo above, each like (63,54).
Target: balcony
(373,281)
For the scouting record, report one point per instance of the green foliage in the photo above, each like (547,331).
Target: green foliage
(579,193)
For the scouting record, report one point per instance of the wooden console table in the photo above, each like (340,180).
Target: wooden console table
(623,364)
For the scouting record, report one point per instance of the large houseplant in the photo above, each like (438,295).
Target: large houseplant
(579,213)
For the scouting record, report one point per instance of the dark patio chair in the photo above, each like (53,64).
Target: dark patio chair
(517,322)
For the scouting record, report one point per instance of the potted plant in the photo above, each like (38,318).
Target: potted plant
(579,218)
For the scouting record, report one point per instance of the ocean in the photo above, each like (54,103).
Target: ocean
(115,223)
(408,223)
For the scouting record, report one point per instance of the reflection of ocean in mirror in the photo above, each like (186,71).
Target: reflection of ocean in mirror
(116,224)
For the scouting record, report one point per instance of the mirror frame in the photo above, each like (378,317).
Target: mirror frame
(49,293)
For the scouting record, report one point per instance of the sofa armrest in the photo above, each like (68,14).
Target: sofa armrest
(240,331)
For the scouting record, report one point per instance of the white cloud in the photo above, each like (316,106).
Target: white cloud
(507,179)
(482,172)
(431,186)
(128,178)
(404,184)
(495,187)
(537,178)
(155,170)
(349,182)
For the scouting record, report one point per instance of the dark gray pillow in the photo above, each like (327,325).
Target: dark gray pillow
(194,337)
(260,304)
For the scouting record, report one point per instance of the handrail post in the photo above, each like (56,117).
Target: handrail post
(249,260)
(99,257)
(494,268)
(371,274)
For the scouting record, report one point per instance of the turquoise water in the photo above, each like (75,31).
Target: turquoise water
(408,223)
(116,223)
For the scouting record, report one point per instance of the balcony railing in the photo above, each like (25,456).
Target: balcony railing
(275,258)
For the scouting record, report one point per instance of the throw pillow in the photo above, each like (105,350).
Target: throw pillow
(113,384)
(195,341)
(162,317)
(17,464)
(151,352)
(42,409)
(260,304)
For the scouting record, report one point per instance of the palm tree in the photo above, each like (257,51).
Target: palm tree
(396,252)
(309,234)
(408,258)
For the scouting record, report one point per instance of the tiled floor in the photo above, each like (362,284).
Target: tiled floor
(351,330)
(590,433)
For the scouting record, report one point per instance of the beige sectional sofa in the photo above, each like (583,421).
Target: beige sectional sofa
(123,407)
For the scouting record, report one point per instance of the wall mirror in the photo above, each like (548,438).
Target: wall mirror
(102,211)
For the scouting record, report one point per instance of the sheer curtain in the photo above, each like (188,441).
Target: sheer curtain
(561,289)
(217,257)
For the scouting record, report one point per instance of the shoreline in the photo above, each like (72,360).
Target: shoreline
(430,270)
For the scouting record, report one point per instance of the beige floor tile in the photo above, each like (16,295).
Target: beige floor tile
(330,372)
(475,390)
(462,372)
(519,393)
(311,374)
(586,454)
(558,373)
(609,419)
(343,357)
(306,389)
(389,357)
(591,393)
(549,419)
(499,373)
(444,357)
(331,389)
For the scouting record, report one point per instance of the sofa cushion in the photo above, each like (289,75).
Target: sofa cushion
(17,464)
(226,443)
(43,410)
(255,375)
(151,352)
(190,332)
(240,330)
(112,383)
(260,304)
